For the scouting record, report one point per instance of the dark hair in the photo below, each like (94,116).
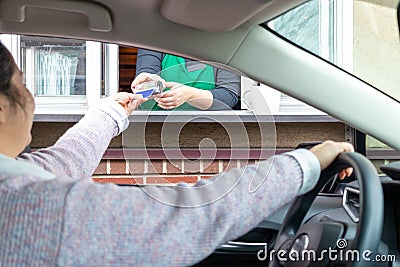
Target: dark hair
(7,71)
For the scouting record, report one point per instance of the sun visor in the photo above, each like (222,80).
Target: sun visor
(211,15)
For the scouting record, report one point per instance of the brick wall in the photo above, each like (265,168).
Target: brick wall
(161,171)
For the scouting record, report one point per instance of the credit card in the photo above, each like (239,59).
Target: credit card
(145,93)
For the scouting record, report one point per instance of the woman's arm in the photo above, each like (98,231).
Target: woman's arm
(78,152)
(177,226)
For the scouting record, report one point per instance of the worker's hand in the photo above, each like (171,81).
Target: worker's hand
(327,153)
(176,96)
(129,101)
(145,77)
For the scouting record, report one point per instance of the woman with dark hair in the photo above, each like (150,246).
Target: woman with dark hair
(53,214)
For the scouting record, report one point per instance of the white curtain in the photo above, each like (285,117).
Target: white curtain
(55,73)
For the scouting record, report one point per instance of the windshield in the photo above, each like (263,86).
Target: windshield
(361,37)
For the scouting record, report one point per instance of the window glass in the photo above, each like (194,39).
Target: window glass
(359,36)
(54,66)
(61,71)
(310,26)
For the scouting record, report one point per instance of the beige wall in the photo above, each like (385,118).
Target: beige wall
(376,46)
(288,135)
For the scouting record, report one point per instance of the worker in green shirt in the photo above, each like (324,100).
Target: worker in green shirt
(190,85)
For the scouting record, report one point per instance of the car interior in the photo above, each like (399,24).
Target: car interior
(245,37)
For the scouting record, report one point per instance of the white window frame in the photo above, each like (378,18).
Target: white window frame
(94,64)
(255,96)
(344,34)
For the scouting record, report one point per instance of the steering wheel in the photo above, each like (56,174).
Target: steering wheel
(293,237)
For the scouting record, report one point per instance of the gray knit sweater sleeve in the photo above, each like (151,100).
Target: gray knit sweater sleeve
(107,225)
(99,125)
